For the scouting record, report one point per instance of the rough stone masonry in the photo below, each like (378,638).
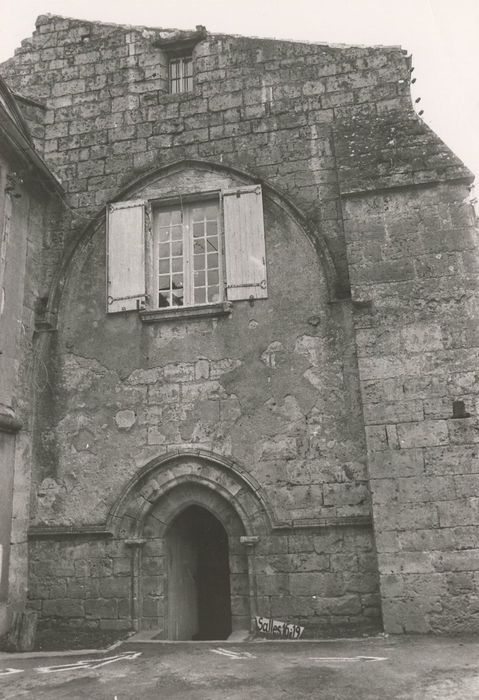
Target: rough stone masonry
(331,426)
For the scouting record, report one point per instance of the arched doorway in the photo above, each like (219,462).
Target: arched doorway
(147,516)
(198,577)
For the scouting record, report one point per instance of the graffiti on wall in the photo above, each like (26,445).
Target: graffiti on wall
(275,628)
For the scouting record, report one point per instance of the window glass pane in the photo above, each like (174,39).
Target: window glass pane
(177,248)
(212,228)
(211,212)
(163,282)
(177,298)
(164,218)
(176,233)
(213,294)
(199,262)
(213,277)
(212,260)
(212,245)
(177,264)
(199,246)
(197,214)
(164,234)
(177,282)
(200,278)
(164,266)
(198,229)
(200,295)
(164,250)
(163,300)
(177,287)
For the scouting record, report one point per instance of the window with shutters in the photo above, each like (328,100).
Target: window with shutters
(191,253)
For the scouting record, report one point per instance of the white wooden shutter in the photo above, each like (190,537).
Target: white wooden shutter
(244,244)
(126,256)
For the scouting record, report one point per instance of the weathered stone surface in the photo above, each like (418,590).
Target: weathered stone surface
(297,392)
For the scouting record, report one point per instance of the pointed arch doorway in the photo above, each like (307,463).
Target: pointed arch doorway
(191,523)
(198,577)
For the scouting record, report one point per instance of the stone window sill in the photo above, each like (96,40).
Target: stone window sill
(187,312)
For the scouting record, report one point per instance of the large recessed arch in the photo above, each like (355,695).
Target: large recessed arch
(84,239)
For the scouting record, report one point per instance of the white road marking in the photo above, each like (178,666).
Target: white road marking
(90,663)
(9,671)
(348,658)
(234,654)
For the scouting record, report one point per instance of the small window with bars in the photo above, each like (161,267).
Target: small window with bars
(187,250)
(181,74)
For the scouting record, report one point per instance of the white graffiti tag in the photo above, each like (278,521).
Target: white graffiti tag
(90,663)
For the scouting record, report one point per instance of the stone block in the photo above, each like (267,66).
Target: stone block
(407,563)
(114,587)
(345,494)
(272,584)
(281,448)
(125,419)
(423,433)
(82,587)
(71,87)
(376,438)
(452,459)
(344,605)
(462,511)
(423,489)
(67,607)
(360,582)
(396,463)
(401,616)
(464,430)
(316,584)
(467,560)
(343,562)
(408,516)
(397,412)
(462,582)
(101,608)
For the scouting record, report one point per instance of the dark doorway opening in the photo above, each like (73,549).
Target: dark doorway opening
(199,598)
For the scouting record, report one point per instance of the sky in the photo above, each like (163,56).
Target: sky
(441,35)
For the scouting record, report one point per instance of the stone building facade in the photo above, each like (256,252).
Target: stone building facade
(276,416)
(28,200)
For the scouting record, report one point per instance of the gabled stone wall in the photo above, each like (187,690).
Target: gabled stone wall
(371,257)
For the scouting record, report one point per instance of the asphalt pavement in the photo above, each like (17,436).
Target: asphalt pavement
(396,668)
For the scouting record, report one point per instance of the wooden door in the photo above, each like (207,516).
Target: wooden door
(182,583)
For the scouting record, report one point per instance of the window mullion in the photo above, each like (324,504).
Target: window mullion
(181,74)
(188,256)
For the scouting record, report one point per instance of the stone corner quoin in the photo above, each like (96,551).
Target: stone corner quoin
(324,426)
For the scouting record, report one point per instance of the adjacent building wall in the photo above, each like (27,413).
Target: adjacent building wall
(24,214)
